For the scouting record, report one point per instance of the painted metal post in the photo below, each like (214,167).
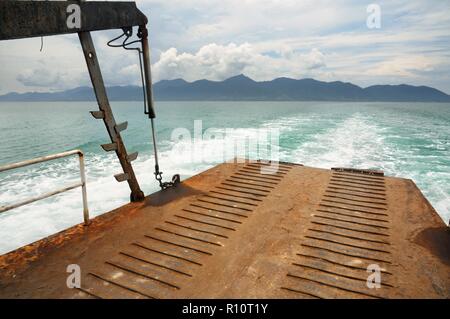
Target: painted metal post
(81,184)
(83,189)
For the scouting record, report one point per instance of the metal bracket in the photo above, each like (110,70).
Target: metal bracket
(121,127)
(131,157)
(98,115)
(109,147)
(121,177)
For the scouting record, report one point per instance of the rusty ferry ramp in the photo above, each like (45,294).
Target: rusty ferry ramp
(235,231)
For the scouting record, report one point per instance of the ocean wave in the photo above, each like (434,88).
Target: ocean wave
(320,138)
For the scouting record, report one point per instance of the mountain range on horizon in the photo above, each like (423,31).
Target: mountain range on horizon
(242,88)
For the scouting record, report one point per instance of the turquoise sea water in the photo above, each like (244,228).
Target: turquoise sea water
(409,140)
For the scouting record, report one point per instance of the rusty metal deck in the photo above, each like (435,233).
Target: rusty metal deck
(232,232)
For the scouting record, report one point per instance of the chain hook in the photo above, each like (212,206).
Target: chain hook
(164,185)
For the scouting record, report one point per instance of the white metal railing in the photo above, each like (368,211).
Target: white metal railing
(81,184)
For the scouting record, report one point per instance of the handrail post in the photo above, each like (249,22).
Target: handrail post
(59,191)
(83,189)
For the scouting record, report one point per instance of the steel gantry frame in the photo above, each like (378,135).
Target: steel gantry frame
(24,19)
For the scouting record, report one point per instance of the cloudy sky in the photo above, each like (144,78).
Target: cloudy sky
(263,39)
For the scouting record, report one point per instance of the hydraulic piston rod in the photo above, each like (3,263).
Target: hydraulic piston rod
(150,109)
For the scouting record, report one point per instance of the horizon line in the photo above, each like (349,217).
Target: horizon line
(231,77)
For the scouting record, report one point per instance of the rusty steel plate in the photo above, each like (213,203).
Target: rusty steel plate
(235,231)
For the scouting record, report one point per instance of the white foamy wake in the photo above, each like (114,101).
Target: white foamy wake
(352,142)
(32,222)
(358,142)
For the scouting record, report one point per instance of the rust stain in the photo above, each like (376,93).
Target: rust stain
(233,232)
(17,261)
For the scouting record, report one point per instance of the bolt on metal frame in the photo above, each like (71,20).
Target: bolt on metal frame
(81,184)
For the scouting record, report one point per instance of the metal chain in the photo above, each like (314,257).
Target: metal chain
(128,32)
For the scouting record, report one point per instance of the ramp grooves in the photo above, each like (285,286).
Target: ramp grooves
(196,229)
(155,264)
(213,216)
(349,232)
(352,194)
(166,254)
(210,209)
(254,179)
(354,216)
(350,221)
(135,272)
(231,200)
(183,242)
(240,191)
(321,268)
(225,205)
(178,245)
(237,196)
(205,223)
(347,236)
(339,226)
(112,282)
(353,204)
(237,181)
(246,187)
(355,200)
(329,285)
(352,210)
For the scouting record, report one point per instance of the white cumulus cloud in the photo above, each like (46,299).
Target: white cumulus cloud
(264,39)
(41,77)
(218,62)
